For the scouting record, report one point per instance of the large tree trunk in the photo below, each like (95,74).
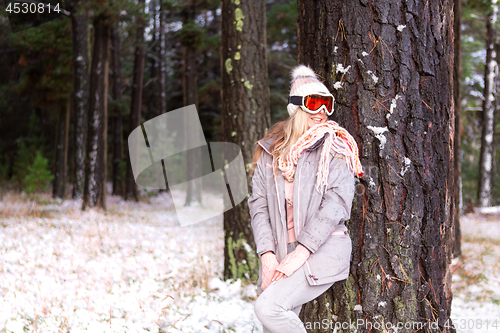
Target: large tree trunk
(457,150)
(95,164)
(80,95)
(487,156)
(190,90)
(61,155)
(118,185)
(390,66)
(136,102)
(245,115)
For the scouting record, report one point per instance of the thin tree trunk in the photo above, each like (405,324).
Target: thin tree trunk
(487,156)
(190,89)
(80,95)
(118,184)
(163,60)
(389,65)
(245,115)
(61,155)
(154,95)
(136,102)
(457,151)
(95,167)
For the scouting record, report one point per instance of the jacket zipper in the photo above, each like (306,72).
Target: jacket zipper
(298,204)
(313,278)
(279,208)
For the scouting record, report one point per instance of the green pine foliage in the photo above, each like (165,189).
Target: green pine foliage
(37,177)
(36,67)
(281,53)
(45,52)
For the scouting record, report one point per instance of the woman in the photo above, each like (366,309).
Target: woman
(303,186)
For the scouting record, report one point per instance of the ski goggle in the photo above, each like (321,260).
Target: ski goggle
(313,103)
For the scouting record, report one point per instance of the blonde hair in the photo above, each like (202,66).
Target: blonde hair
(285,134)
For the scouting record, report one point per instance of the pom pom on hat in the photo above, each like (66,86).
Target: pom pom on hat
(302,70)
(304,82)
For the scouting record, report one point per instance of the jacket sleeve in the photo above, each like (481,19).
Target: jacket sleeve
(335,206)
(261,225)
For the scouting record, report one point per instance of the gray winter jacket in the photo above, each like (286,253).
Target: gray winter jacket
(315,216)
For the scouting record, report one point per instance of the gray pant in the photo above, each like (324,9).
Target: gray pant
(278,306)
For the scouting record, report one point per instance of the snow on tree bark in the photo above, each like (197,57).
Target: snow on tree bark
(389,64)
(95,164)
(81,93)
(486,158)
(245,115)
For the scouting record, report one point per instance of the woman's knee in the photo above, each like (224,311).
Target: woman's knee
(266,309)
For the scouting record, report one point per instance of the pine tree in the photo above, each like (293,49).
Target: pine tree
(94,193)
(389,65)
(245,114)
(491,76)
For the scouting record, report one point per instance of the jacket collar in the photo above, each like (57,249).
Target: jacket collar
(266,144)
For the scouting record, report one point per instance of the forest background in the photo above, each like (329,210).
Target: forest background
(37,83)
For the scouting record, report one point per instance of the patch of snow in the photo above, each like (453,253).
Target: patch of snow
(401,27)
(371,183)
(340,68)
(394,103)
(365,54)
(379,134)
(382,304)
(488,210)
(337,85)
(358,307)
(406,167)
(374,77)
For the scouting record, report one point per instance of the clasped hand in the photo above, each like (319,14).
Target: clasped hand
(273,271)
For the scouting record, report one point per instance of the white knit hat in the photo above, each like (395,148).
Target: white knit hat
(304,82)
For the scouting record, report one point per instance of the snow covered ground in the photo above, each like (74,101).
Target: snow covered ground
(134,269)
(130,269)
(476,275)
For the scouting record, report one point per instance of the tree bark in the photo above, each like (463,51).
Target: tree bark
(162,56)
(95,164)
(487,157)
(245,115)
(81,93)
(457,150)
(153,98)
(190,96)
(61,162)
(136,102)
(390,67)
(118,184)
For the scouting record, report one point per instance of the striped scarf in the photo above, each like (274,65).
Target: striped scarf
(338,141)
